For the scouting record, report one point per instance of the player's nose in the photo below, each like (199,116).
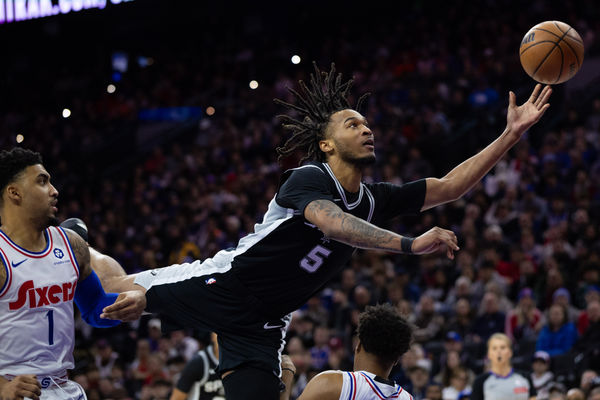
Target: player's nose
(53,191)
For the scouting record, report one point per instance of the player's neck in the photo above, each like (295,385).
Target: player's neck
(23,232)
(348,174)
(370,364)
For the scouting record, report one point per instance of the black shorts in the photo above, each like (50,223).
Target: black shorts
(219,303)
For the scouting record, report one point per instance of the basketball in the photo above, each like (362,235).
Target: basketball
(551,52)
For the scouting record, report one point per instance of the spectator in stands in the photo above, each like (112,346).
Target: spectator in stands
(183,345)
(575,394)
(459,382)
(558,336)
(427,321)
(541,377)
(419,378)
(591,294)
(433,391)
(139,367)
(319,353)
(487,273)
(588,379)
(588,344)
(525,320)
(491,321)
(105,358)
(461,321)
(563,297)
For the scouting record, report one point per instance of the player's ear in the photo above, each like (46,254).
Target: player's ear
(13,192)
(326,145)
(358,347)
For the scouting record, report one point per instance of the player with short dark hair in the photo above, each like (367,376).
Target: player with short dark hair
(383,337)
(43,270)
(320,215)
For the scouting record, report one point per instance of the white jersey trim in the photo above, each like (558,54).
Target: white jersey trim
(341,191)
(8,280)
(221,262)
(25,252)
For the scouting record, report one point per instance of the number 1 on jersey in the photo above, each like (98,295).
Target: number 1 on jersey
(50,316)
(314,259)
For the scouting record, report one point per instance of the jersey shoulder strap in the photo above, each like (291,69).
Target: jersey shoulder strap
(286,174)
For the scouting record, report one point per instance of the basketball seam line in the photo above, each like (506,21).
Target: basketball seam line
(552,33)
(535,44)
(567,43)
(550,52)
(574,38)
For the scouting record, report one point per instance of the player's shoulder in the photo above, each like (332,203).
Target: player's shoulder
(305,174)
(326,385)
(308,169)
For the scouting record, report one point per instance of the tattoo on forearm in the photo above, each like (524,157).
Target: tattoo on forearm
(355,231)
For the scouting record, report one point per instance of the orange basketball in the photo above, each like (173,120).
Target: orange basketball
(551,52)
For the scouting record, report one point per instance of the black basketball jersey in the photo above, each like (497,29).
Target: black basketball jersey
(287,259)
(199,379)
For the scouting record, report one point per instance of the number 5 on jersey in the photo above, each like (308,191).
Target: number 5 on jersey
(314,259)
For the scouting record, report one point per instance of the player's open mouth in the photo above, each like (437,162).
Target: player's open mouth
(370,144)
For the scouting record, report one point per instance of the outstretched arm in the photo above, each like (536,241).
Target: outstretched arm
(462,178)
(90,296)
(346,228)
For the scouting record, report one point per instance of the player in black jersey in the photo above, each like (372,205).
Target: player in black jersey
(198,380)
(320,215)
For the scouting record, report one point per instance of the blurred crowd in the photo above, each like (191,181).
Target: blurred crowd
(529,264)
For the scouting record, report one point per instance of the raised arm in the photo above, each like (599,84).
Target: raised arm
(346,228)
(463,177)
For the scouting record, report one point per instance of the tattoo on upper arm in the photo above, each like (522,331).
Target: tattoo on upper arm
(81,252)
(354,231)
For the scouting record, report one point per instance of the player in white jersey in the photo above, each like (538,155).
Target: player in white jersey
(43,269)
(383,337)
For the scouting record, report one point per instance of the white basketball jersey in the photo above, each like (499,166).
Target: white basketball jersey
(363,385)
(36,307)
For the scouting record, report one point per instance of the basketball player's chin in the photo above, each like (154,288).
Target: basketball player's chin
(365,160)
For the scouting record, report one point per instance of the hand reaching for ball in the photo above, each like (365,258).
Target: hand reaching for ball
(520,118)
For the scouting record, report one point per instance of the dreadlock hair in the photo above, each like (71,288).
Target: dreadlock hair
(384,333)
(13,162)
(326,96)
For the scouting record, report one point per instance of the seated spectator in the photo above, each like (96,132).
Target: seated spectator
(587,381)
(559,335)
(139,367)
(461,321)
(525,320)
(433,391)
(419,378)
(428,322)
(575,394)
(491,321)
(460,290)
(563,297)
(592,294)
(451,363)
(459,382)
(319,353)
(589,342)
(105,358)
(541,377)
